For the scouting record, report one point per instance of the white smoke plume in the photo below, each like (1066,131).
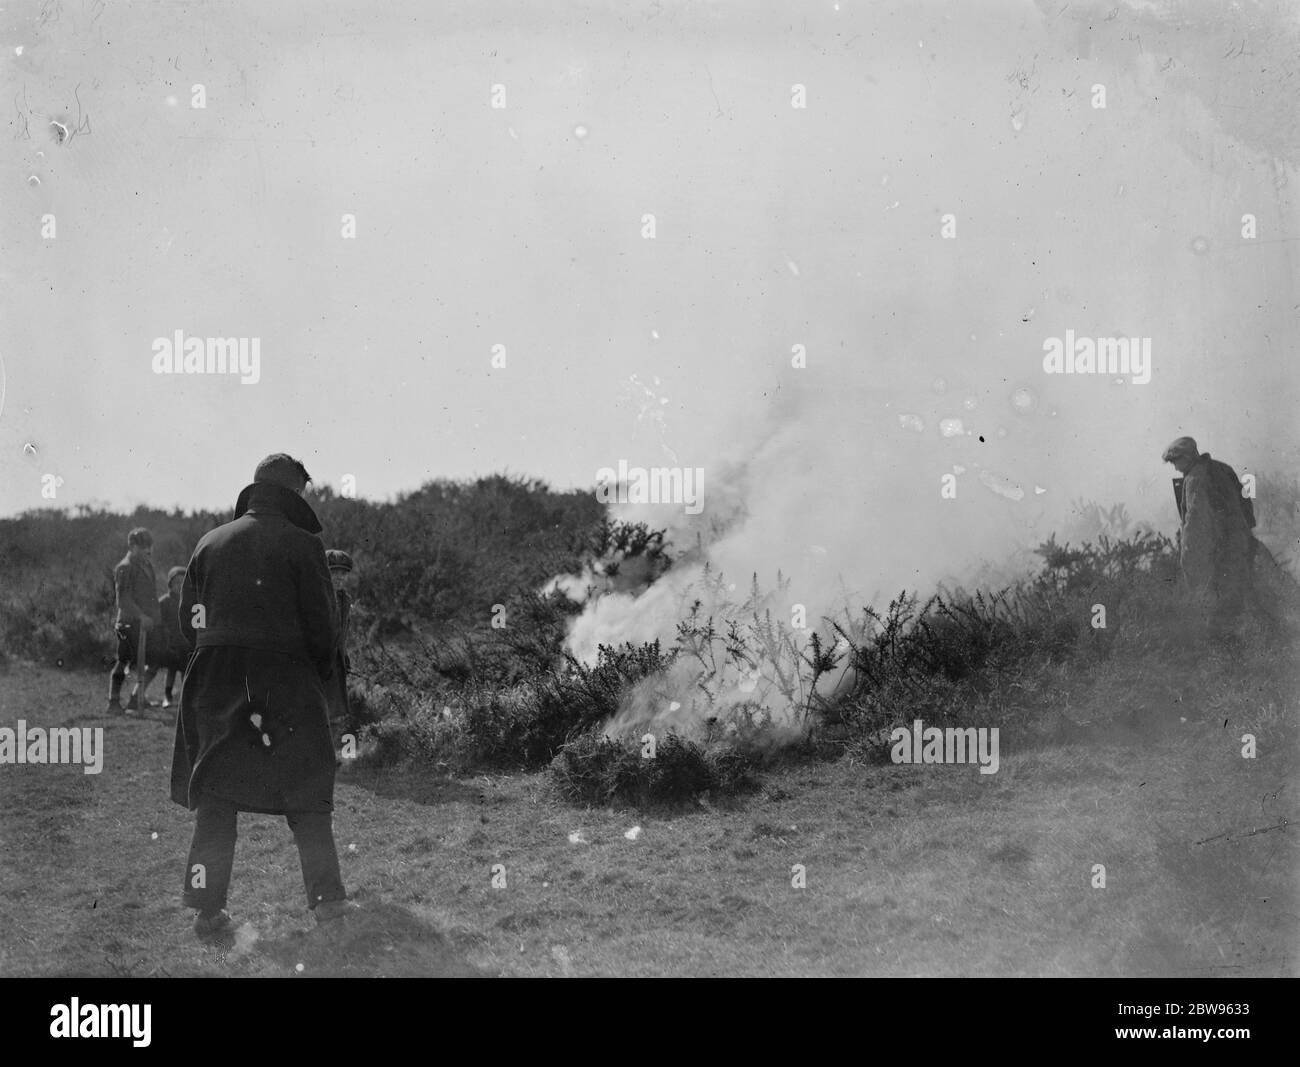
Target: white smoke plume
(925,356)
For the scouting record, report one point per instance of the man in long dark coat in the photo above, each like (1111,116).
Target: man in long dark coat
(1216,539)
(252,733)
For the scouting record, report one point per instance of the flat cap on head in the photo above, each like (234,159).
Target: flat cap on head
(338,560)
(175,572)
(282,470)
(1183,447)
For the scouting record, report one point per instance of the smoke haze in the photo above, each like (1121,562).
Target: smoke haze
(925,355)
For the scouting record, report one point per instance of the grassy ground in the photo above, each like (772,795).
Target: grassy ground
(910,870)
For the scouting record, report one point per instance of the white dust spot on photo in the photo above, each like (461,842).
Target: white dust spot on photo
(794,267)
(1002,486)
(576,838)
(33,181)
(633,833)
(951,427)
(957,468)
(970,403)
(1024,401)
(1018,120)
(1039,490)
(1200,245)
(580,132)
(171,101)
(911,422)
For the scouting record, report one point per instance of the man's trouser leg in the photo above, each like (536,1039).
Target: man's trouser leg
(125,657)
(212,855)
(1261,594)
(1225,615)
(1231,581)
(314,834)
(143,681)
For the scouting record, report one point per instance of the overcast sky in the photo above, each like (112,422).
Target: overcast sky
(522,226)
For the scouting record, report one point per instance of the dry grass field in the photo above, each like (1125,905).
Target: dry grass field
(931,870)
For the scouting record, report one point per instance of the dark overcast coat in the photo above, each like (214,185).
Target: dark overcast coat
(252,726)
(1216,530)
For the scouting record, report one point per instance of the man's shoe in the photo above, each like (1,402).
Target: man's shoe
(212,926)
(115,708)
(167,701)
(334,909)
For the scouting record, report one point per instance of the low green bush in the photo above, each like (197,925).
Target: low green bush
(592,769)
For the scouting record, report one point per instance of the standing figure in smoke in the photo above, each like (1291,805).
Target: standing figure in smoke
(253,730)
(1216,539)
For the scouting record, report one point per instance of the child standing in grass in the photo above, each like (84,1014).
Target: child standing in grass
(340,565)
(167,648)
(137,611)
